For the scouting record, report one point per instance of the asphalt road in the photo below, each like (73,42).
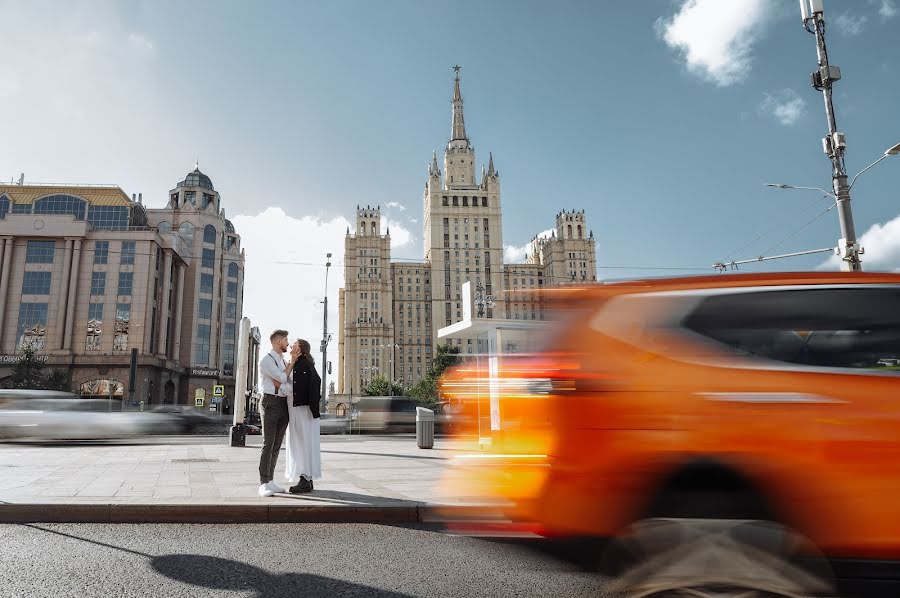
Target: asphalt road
(276,561)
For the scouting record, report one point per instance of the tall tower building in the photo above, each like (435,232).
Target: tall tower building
(365,316)
(390,313)
(463,223)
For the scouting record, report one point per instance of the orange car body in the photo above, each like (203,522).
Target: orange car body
(636,383)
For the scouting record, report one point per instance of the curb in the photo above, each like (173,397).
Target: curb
(409,512)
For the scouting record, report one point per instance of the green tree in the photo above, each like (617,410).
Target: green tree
(425,391)
(57,380)
(29,370)
(382,386)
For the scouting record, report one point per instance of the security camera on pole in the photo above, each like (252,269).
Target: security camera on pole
(835,143)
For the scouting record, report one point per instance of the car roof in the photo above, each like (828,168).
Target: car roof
(719,281)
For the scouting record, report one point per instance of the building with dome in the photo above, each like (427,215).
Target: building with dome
(89,274)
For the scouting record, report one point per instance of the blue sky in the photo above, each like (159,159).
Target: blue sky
(662,119)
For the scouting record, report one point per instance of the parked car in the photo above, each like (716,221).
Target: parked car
(662,404)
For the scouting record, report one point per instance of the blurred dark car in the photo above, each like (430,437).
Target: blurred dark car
(192,420)
(252,429)
(385,414)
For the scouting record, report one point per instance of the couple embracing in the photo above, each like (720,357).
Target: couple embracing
(290,404)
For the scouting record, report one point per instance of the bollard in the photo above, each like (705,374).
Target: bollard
(238,435)
(424,428)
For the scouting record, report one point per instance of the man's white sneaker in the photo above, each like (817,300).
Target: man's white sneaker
(264,490)
(275,488)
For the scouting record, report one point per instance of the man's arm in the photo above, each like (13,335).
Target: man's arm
(270,368)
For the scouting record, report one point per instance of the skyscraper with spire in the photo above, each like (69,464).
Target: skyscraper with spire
(390,325)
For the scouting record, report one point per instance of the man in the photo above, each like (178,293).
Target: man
(274,408)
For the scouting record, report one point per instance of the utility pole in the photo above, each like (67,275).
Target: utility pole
(835,143)
(325,338)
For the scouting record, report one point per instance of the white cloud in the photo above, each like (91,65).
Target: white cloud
(714,37)
(395,204)
(882,245)
(278,295)
(849,24)
(140,41)
(516,254)
(785,106)
(289,295)
(888,9)
(400,235)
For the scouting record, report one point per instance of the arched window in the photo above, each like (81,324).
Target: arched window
(232,270)
(374,231)
(61,204)
(209,234)
(186,230)
(164,227)
(569,230)
(4,206)
(102,389)
(579,232)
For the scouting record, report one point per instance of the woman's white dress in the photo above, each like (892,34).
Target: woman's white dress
(304,457)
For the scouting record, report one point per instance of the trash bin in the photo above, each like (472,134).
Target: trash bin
(238,435)
(424,428)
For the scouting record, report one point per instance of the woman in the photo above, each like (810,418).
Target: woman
(304,459)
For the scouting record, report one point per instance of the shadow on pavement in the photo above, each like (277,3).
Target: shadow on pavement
(214,573)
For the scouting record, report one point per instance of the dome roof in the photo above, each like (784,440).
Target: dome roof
(196,178)
(229,227)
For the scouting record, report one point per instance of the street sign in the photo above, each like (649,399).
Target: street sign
(218,390)
(198,402)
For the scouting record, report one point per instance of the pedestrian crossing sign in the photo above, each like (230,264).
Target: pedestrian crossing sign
(198,401)
(218,390)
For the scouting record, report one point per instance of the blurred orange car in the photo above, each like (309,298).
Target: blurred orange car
(762,396)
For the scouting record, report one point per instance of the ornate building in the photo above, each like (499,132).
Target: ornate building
(88,274)
(390,312)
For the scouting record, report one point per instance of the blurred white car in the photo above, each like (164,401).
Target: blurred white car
(49,415)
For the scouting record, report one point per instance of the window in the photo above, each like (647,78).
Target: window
(40,252)
(209,234)
(94,327)
(209,258)
(98,283)
(190,197)
(36,283)
(208,198)
(126,282)
(108,217)
(164,227)
(201,353)
(808,327)
(32,325)
(231,310)
(186,230)
(232,290)
(101,252)
(232,270)
(123,320)
(129,249)
(204,310)
(61,204)
(4,206)
(206,283)
(484,202)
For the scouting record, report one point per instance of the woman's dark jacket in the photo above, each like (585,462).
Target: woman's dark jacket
(307,385)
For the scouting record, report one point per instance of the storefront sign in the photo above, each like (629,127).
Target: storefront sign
(205,372)
(8,359)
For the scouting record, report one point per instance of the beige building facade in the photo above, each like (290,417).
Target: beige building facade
(463,241)
(88,274)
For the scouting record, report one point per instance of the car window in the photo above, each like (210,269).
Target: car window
(851,327)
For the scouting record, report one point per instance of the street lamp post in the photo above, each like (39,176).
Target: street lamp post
(392,347)
(325,338)
(835,143)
